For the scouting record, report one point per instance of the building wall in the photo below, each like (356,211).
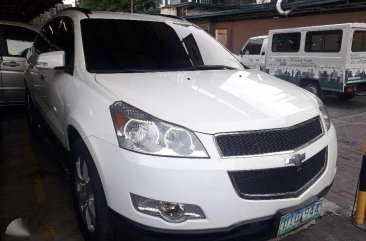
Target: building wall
(240,31)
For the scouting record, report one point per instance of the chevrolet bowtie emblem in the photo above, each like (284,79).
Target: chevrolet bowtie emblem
(297,159)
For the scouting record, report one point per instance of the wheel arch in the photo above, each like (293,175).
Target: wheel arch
(72,136)
(73,132)
(303,82)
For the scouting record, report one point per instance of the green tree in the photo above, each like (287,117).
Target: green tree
(119,5)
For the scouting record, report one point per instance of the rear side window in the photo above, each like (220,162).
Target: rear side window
(286,42)
(359,41)
(323,41)
(18,39)
(253,47)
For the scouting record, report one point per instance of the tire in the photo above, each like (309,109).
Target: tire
(33,116)
(345,96)
(1,132)
(89,199)
(314,88)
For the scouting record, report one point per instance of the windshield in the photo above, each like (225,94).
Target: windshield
(117,46)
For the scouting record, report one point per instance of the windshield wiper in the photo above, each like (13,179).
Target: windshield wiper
(209,67)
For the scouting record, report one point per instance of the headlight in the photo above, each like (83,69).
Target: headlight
(140,132)
(324,113)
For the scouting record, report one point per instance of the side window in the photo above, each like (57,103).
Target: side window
(359,41)
(323,41)
(65,40)
(286,42)
(46,38)
(18,40)
(253,47)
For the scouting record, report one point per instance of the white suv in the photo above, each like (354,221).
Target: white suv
(171,133)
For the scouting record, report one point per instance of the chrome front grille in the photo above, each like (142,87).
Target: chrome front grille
(269,141)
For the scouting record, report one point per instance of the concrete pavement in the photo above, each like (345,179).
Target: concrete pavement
(33,187)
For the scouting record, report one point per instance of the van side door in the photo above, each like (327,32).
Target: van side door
(356,62)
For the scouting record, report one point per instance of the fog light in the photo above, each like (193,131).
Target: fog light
(169,211)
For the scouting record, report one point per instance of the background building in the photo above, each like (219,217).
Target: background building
(233,26)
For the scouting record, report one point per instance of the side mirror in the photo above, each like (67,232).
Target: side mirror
(51,60)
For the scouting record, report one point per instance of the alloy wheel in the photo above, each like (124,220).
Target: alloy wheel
(85,194)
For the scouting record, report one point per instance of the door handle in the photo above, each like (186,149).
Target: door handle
(11,64)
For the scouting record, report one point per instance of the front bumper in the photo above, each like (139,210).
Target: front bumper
(203,182)
(265,227)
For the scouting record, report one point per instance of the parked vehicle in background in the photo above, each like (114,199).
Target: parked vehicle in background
(174,135)
(253,53)
(15,39)
(321,59)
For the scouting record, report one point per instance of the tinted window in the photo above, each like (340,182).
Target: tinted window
(46,38)
(359,41)
(286,42)
(253,47)
(143,46)
(65,40)
(18,39)
(323,41)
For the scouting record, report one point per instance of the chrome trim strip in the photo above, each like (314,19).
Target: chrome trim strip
(270,153)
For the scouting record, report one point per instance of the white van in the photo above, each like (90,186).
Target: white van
(321,59)
(254,51)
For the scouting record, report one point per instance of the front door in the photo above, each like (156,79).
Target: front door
(17,41)
(2,52)
(43,44)
(58,79)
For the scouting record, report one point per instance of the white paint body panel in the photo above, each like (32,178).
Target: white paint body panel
(214,101)
(206,102)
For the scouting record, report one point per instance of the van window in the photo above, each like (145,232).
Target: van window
(286,42)
(253,47)
(323,41)
(359,41)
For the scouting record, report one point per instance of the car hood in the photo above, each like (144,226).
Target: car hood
(214,101)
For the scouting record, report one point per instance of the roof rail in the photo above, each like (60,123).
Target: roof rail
(82,10)
(167,16)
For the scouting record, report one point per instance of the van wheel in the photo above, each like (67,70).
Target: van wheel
(345,96)
(33,117)
(314,88)
(89,199)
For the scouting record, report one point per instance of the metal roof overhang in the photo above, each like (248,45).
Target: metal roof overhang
(24,10)
(269,10)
